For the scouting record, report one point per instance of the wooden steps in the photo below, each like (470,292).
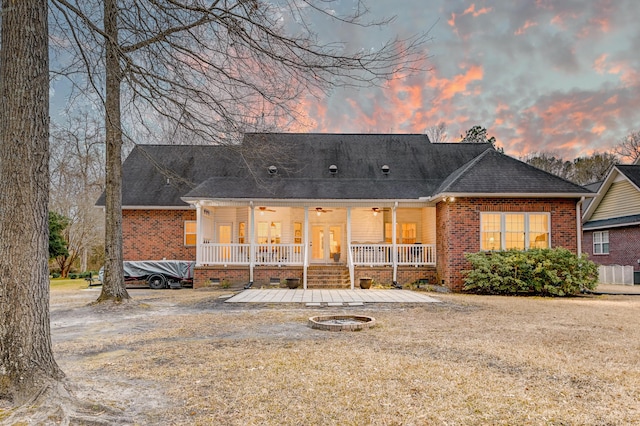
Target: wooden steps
(331,276)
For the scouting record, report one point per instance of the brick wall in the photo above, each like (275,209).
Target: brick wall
(262,275)
(458,229)
(624,247)
(156,234)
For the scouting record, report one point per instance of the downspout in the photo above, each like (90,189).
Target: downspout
(394,245)
(579,225)
(349,255)
(305,254)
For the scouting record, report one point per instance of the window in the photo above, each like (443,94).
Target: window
(241,232)
(269,232)
(520,231)
(190,232)
(601,242)
(406,233)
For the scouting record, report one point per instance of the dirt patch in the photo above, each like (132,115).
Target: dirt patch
(184,357)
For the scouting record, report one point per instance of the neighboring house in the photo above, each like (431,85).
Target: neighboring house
(333,208)
(611,222)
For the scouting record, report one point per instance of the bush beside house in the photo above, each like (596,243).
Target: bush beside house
(546,272)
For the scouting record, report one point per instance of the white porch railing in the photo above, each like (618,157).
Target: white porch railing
(228,254)
(238,254)
(381,254)
(278,254)
(292,254)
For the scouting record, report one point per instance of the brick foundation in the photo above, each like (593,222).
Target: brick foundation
(262,275)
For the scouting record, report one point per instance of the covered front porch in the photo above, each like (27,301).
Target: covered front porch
(258,237)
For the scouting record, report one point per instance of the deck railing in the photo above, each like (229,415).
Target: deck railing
(238,254)
(292,254)
(381,254)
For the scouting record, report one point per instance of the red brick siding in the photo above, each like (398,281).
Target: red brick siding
(624,247)
(458,229)
(156,234)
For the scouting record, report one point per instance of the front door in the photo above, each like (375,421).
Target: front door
(224,237)
(326,243)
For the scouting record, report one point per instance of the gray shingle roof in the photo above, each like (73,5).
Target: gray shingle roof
(160,175)
(493,172)
(612,223)
(632,172)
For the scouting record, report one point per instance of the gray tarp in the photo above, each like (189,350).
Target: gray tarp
(176,269)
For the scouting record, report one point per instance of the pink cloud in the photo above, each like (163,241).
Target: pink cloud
(528,24)
(475,13)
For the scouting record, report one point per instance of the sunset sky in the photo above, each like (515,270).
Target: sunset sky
(559,76)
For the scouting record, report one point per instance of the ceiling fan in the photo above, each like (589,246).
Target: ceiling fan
(321,210)
(376,210)
(264,209)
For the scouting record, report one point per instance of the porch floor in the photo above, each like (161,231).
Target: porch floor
(333,296)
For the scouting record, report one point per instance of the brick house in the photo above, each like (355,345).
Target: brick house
(611,222)
(333,208)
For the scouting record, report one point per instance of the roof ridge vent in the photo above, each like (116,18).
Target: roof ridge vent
(385,169)
(273,170)
(333,169)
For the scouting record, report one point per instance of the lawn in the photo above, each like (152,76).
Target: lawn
(184,357)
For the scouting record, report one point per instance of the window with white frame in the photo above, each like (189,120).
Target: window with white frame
(520,231)
(601,242)
(269,232)
(190,227)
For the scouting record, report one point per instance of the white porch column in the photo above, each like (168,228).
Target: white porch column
(394,244)
(199,233)
(252,252)
(349,260)
(305,254)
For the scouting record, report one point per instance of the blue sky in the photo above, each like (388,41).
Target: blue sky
(558,76)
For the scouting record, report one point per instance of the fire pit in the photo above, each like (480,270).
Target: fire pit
(341,322)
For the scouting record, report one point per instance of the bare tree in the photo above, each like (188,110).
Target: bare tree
(437,133)
(582,170)
(77,179)
(27,366)
(216,68)
(629,147)
(550,163)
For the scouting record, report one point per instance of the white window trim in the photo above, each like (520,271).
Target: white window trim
(503,227)
(184,237)
(601,243)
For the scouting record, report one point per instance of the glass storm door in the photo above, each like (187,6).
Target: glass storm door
(224,237)
(326,243)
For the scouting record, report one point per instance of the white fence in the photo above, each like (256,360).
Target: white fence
(615,274)
(381,254)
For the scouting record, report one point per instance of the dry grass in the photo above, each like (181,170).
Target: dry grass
(185,358)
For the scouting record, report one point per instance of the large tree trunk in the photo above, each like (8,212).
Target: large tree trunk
(113,287)
(26,358)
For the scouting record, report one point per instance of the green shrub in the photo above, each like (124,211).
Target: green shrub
(55,275)
(546,272)
(73,276)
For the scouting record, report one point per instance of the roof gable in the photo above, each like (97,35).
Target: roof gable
(618,196)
